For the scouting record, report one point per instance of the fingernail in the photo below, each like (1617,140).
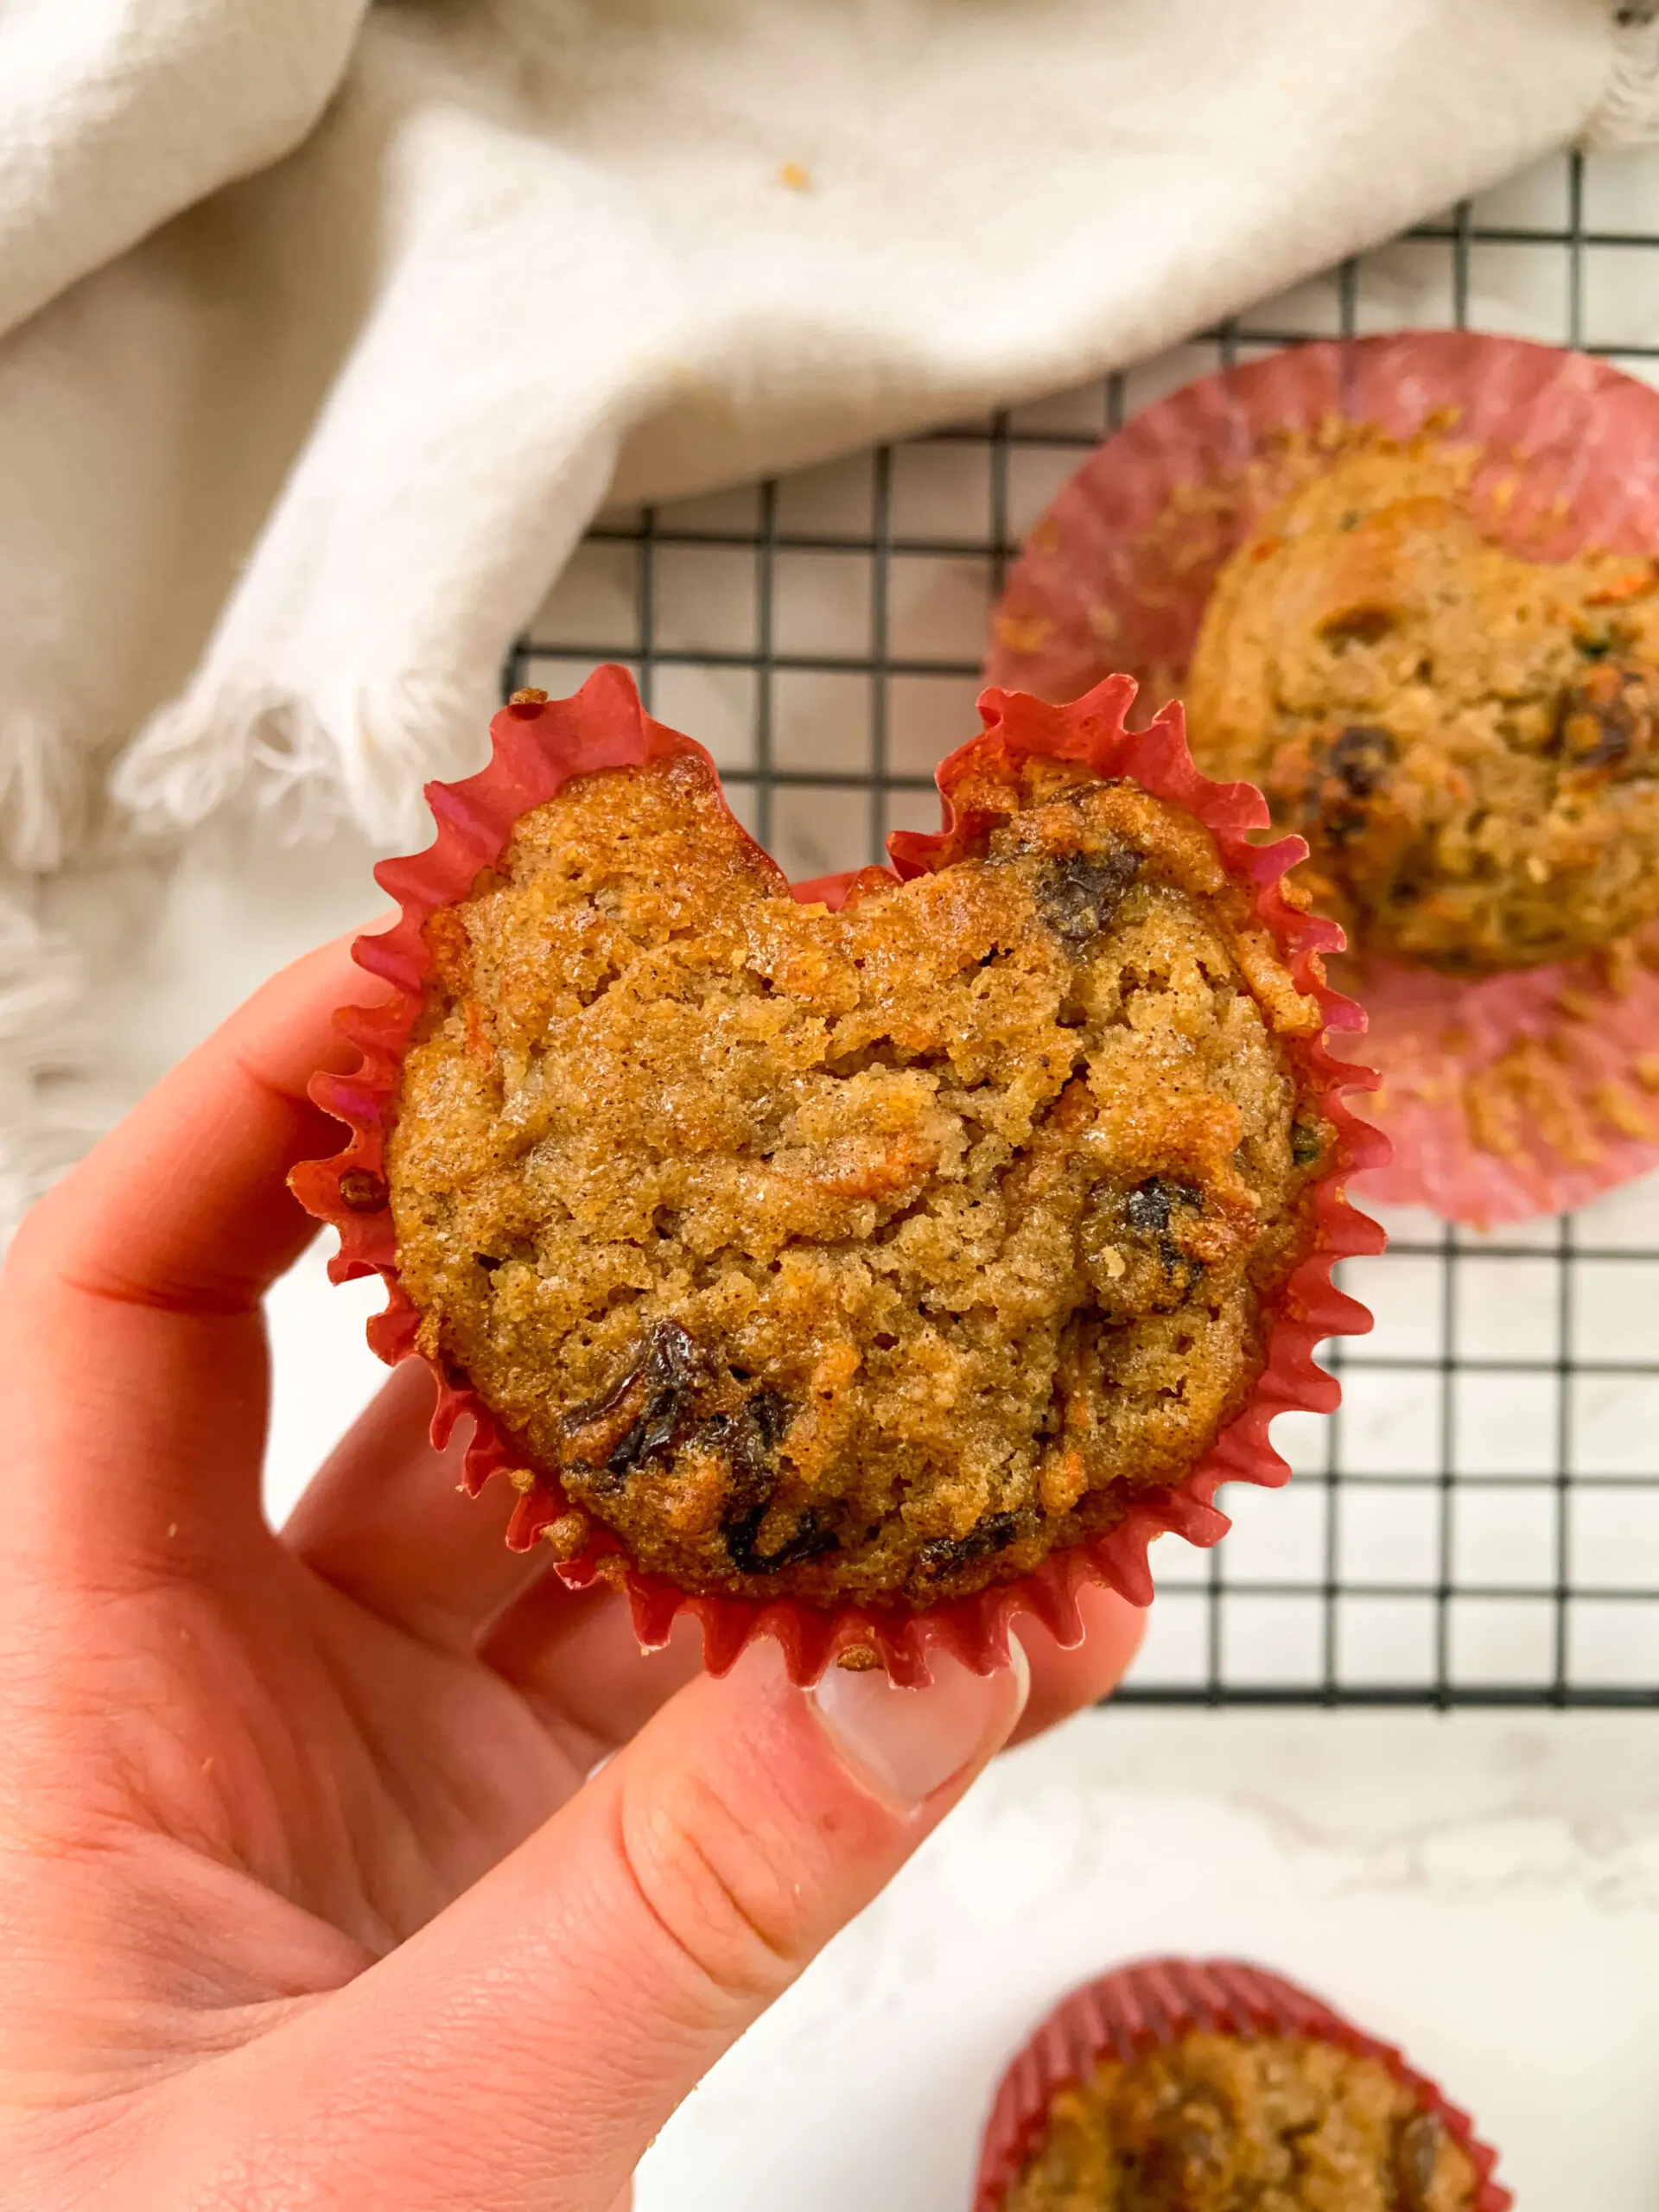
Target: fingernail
(904,1745)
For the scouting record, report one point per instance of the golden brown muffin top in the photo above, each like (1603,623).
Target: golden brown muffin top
(875,1254)
(1469,742)
(1217,2123)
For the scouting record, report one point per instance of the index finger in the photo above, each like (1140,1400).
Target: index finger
(132,1353)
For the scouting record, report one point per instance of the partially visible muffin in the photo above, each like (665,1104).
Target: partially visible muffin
(1469,742)
(1221,2123)
(874,1255)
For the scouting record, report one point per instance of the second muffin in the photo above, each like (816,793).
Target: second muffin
(1469,741)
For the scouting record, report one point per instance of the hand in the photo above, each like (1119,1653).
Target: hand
(316,1890)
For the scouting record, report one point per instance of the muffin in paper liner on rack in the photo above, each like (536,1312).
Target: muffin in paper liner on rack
(1407,585)
(855,1271)
(1186,2085)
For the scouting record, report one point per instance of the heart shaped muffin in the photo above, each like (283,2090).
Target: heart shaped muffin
(873,1253)
(861,1258)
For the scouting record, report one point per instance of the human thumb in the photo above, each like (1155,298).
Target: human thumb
(522,2050)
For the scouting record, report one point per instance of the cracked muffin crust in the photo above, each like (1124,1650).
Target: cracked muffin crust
(1468,740)
(868,1256)
(1218,2123)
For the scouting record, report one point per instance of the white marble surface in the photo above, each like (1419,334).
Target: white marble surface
(1483,1891)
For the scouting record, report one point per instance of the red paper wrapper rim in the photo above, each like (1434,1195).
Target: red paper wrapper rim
(1572,448)
(536,746)
(1159,2001)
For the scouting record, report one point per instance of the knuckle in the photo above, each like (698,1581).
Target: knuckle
(729,1900)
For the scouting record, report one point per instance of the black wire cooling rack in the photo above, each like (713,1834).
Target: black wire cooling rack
(1479,1525)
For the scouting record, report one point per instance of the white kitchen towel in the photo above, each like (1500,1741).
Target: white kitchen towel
(323,329)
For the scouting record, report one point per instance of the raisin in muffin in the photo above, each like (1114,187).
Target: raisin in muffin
(1221,2123)
(872,1254)
(1469,742)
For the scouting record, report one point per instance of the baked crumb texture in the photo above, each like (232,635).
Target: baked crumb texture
(873,1254)
(1468,740)
(1217,2123)
(1122,2105)
(864,1259)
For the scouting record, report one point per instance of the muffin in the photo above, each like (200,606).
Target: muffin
(1406,583)
(1468,740)
(849,1263)
(1180,2087)
(1228,2124)
(869,1255)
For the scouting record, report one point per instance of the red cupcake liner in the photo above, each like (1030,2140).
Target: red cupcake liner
(1518,1095)
(1564,454)
(538,747)
(1157,2002)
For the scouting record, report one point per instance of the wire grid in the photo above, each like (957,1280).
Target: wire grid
(1479,1525)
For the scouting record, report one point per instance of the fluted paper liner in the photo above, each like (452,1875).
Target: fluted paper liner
(1155,2002)
(1508,1097)
(537,747)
